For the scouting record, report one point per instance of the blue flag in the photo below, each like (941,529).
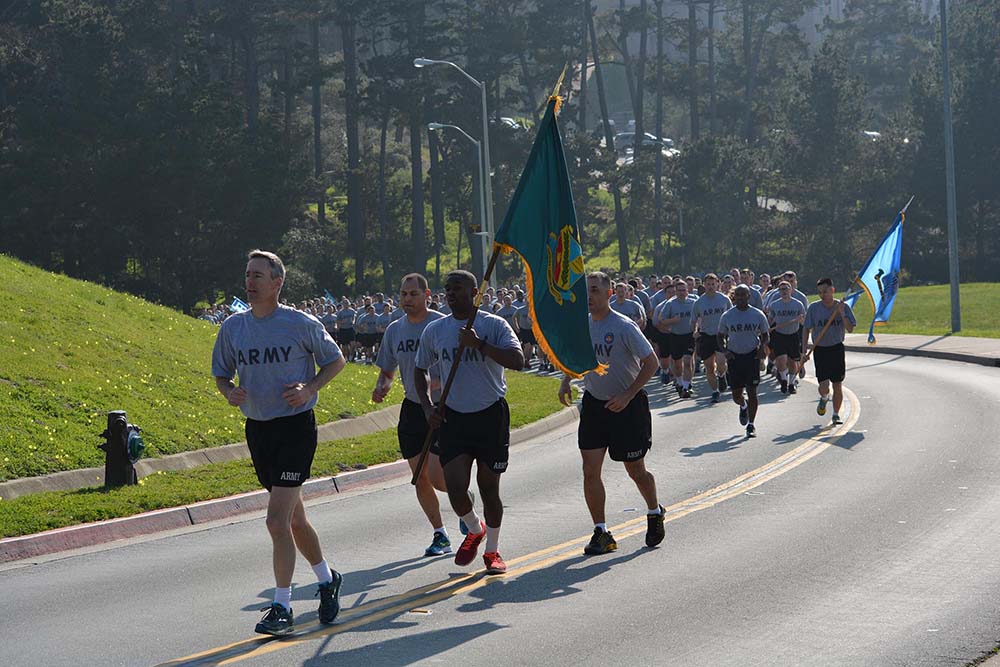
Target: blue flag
(879,278)
(238,305)
(328,296)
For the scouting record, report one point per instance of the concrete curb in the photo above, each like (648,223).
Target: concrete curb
(982,360)
(71,480)
(100,532)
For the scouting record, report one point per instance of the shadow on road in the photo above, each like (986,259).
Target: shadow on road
(717,447)
(359,583)
(555,581)
(403,650)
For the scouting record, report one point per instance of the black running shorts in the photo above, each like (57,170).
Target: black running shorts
(789,345)
(483,435)
(412,430)
(681,345)
(628,434)
(345,336)
(744,370)
(526,336)
(708,345)
(829,363)
(282,449)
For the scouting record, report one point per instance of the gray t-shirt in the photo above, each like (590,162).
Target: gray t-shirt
(397,314)
(479,382)
(509,313)
(399,348)
(270,352)
(345,318)
(710,310)
(756,300)
(619,344)
(382,321)
(644,299)
(659,296)
(329,321)
(365,324)
(785,316)
(676,307)
(629,308)
(775,294)
(524,317)
(744,328)
(818,315)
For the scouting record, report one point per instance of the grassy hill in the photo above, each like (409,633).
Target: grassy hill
(70,351)
(927,311)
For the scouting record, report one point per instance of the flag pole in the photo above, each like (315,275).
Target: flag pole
(454,365)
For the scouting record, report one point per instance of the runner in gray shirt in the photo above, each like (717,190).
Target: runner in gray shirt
(627,307)
(828,345)
(615,415)
(474,423)
(786,315)
(743,336)
(705,316)
(676,314)
(399,349)
(275,350)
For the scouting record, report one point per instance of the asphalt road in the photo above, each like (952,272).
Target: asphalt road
(871,545)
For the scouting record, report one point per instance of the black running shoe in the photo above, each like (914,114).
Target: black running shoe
(744,415)
(792,389)
(836,419)
(600,543)
(277,621)
(723,383)
(680,390)
(329,599)
(715,396)
(784,385)
(751,431)
(654,528)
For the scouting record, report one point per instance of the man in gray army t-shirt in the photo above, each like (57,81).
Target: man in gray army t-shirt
(275,350)
(828,344)
(743,336)
(615,414)
(399,350)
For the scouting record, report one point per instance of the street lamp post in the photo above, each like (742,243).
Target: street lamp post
(485,152)
(949,161)
(434,127)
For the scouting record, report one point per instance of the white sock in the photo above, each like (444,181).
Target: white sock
(655,510)
(744,406)
(283,596)
(492,539)
(749,423)
(603,527)
(824,397)
(472,522)
(442,531)
(323,573)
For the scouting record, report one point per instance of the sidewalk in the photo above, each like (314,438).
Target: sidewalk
(983,351)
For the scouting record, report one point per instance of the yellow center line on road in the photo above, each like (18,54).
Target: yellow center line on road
(428,594)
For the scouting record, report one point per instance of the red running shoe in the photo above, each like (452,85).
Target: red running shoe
(494,564)
(470,545)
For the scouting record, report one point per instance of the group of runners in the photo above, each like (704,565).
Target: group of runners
(274,350)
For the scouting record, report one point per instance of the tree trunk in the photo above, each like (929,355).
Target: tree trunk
(693,70)
(610,144)
(415,21)
(355,216)
(437,201)
(530,98)
(383,213)
(639,176)
(317,114)
(748,84)
(251,87)
(658,259)
(626,59)
(711,68)
(582,105)
(288,96)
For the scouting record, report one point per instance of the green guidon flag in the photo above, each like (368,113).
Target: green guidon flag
(540,226)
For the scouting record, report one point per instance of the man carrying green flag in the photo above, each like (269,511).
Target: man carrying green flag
(540,226)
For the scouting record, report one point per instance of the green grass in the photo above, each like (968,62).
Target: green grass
(530,397)
(927,311)
(71,351)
